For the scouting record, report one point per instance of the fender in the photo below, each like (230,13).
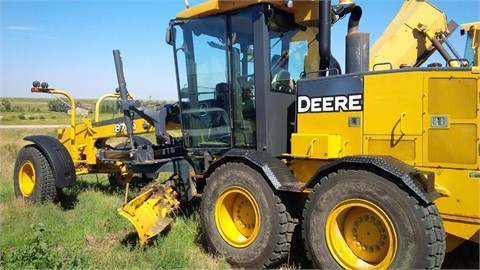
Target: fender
(275,171)
(422,184)
(58,157)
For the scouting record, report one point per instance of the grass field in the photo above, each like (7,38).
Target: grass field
(83,229)
(35,110)
(31,111)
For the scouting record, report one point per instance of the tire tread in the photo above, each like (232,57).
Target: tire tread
(284,228)
(45,188)
(427,214)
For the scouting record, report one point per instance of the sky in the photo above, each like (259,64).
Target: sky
(69,43)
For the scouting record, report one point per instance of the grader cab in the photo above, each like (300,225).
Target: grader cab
(373,168)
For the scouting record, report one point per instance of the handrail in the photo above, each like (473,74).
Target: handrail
(44,89)
(101,99)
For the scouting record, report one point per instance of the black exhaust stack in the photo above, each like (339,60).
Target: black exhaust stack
(357,48)
(324,33)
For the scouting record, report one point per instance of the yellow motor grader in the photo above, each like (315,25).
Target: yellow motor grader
(376,167)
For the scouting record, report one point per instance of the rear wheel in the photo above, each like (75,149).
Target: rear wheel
(33,179)
(359,220)
(242,219)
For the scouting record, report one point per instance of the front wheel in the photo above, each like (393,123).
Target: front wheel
(33,178)
(242,219)
(359,220)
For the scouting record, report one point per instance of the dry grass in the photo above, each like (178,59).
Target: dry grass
(11,141)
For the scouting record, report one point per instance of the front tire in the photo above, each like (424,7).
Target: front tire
(242,219)
(33,178)
(360,220)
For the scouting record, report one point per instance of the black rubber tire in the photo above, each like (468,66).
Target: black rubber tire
(414,229)
(269,243)
(33,178)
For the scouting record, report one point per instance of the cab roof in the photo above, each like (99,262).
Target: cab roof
(304,10)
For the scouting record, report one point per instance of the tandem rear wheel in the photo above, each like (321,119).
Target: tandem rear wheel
(357,220)
(242,219)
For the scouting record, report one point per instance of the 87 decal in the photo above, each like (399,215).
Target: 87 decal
(121,127)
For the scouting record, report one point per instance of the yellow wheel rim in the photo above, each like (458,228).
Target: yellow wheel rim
(360,235)
(27,178)
(237,217)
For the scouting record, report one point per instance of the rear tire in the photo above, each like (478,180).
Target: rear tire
(33,178)
(242,219)
(357,220)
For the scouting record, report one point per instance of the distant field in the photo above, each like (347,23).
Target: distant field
(35,111)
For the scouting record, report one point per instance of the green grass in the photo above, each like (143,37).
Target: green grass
(83,229)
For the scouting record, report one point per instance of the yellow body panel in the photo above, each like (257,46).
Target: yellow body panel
(303,169)
(330,124)
(321,146)
(430,110)
(427,118)
(88,137)
(405,148)
(393,104)
(441,129)
(455,143)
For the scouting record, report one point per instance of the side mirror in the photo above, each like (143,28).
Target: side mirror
(170,35)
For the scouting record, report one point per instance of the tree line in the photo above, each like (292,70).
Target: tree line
(62,105)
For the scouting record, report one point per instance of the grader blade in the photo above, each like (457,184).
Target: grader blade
(150,212)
